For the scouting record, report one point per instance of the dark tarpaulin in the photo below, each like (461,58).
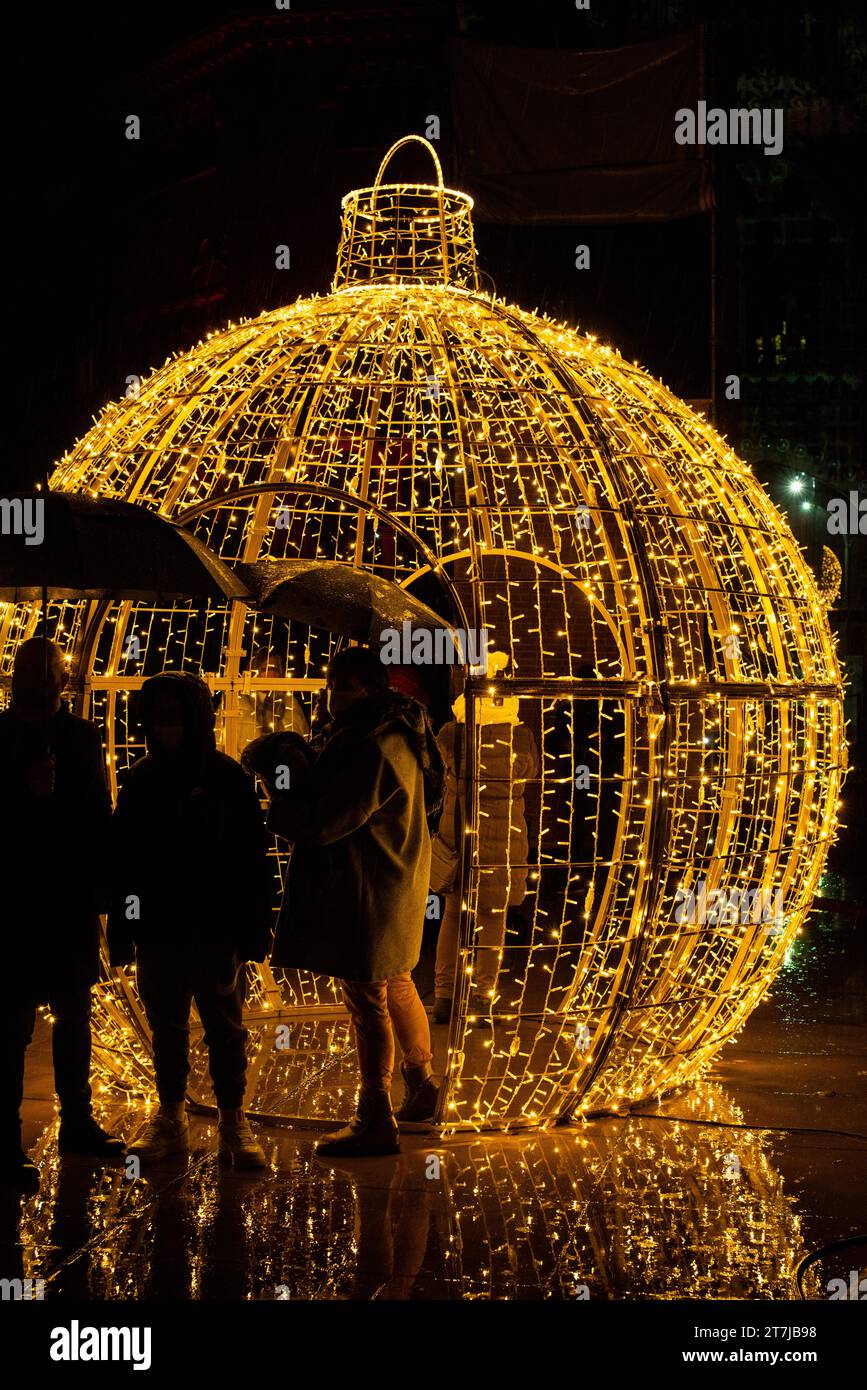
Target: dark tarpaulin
(543,135)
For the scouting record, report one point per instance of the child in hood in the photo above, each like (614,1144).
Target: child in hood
(193,897)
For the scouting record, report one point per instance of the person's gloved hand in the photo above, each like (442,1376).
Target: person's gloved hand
(279,757)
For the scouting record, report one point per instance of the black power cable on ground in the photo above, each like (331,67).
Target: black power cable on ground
(815,1255)
(721,1124)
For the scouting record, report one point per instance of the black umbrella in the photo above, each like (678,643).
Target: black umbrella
(333,595)
(95,549)
(64,546)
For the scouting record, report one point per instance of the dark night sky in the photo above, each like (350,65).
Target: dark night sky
(90,284)
(83,250)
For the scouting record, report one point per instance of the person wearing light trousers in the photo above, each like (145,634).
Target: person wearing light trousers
(357,817)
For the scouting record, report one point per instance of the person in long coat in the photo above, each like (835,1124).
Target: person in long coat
(54,815)
(193,896)
(357,885)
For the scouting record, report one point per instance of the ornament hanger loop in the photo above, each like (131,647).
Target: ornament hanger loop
(408,139)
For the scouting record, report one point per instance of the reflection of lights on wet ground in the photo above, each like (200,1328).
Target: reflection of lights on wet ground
(628,1208)
(823,971)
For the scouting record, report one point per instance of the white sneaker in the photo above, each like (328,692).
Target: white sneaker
(238,1144)
(164,1135)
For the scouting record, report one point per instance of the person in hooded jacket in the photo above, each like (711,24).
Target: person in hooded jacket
(358,818)
(193,895)
(54,817)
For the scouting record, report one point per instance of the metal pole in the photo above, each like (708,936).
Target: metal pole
(714,295)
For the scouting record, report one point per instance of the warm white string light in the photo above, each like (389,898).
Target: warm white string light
(612,545)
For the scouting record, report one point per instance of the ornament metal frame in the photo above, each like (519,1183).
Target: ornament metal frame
(409,424)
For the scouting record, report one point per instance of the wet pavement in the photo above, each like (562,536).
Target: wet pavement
(719,1192)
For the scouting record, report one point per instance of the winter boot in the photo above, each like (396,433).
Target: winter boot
(239,1147)
(167,1133)
(373,1131)
(84,1138)
(420,1098)
(442,1010)
(479,1007)
(17,1169)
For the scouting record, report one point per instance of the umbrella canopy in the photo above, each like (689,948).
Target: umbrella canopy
(61,545)
(332,595)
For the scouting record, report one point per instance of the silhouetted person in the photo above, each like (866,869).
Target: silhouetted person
(194,893)
(54,814)
(358,880)
(261,712)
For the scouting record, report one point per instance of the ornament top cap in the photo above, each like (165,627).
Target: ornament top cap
(406,233)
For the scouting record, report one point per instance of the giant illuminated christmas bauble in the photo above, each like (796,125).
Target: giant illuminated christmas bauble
(667,646)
